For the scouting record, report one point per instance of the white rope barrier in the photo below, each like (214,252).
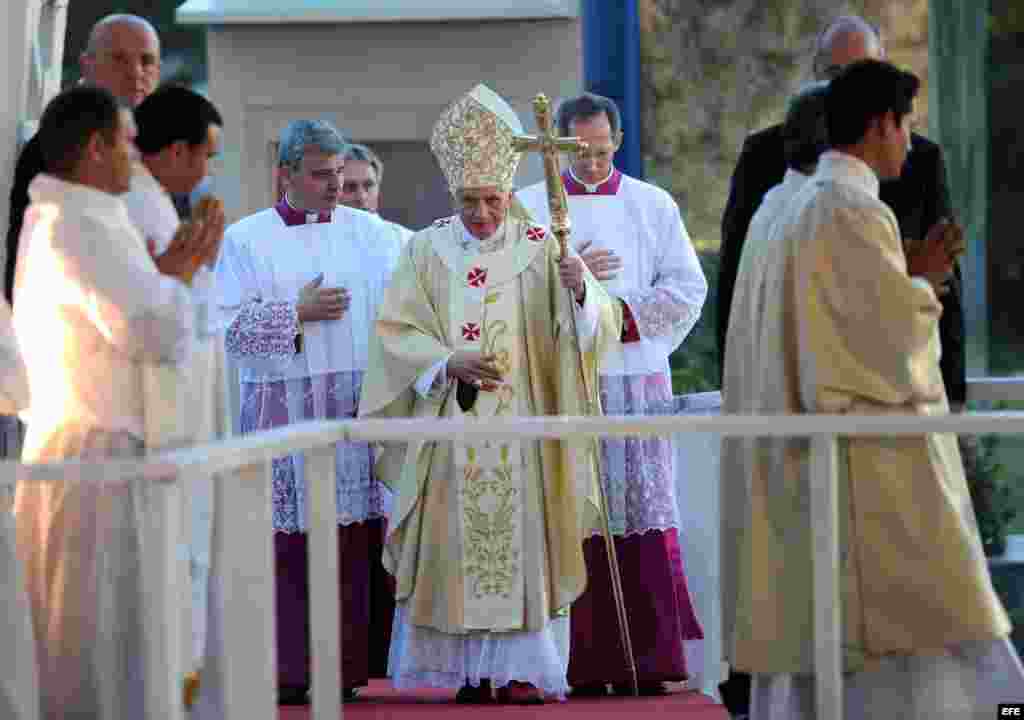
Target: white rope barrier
(302,437)
(242,687)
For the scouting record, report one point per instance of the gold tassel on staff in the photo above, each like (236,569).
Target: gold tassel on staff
(549,144)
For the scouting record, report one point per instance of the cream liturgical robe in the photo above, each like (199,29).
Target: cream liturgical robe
(485,536)
(826,320)
(91,310)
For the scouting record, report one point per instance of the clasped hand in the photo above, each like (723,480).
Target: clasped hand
(933,258)
(318,303)
(475,368)
(196,243)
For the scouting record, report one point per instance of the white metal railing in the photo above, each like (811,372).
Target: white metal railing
(243,545)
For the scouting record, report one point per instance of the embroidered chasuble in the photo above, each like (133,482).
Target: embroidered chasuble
(486,535)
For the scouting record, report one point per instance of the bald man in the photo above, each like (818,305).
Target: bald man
(919,197)
(123,57)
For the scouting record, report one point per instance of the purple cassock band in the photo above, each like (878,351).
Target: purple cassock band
(608,187)
(291,216)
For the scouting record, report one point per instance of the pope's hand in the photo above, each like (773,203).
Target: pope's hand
(474,368)
(603,264)
(319,303)
(570,272)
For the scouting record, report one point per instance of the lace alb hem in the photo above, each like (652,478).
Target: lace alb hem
(425,657)
(632,532)
(638,474)
(438,680)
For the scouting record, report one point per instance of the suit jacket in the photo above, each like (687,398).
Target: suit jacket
(30,164)
(919,197)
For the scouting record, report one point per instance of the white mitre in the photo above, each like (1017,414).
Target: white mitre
(474,141)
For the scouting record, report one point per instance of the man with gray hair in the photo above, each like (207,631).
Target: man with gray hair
(298,285)
(364,173)
(919,197)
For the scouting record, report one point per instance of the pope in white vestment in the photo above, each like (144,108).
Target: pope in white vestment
(486,537)
(924,634)
(290,373)
(661,288)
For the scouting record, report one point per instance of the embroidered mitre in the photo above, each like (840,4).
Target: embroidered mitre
(473,141)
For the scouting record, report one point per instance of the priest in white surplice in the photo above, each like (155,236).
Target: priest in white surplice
(834,323)
(91,308)
(632,236)
(299,285)
(19,686)
(179,132)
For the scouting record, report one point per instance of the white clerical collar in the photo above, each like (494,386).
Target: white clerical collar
(489,244)
(592,187)
(849,169)
(311,217)
(50,188)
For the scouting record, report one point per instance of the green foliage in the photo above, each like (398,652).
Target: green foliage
(695,365)
(989,484)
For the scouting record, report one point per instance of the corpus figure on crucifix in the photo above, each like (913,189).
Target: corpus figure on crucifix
(485,539)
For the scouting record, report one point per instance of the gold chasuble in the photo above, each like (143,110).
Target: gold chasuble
(486,535)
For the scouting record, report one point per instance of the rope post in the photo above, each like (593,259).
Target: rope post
(324,600)
(828,678)
(239,676)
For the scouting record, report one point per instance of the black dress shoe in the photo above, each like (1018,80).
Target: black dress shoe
(469,695)
(293,695)
(590,690)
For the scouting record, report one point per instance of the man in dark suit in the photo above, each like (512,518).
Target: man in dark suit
(123,57)
(919,198)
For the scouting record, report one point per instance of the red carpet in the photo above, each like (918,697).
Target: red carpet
(380,701)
